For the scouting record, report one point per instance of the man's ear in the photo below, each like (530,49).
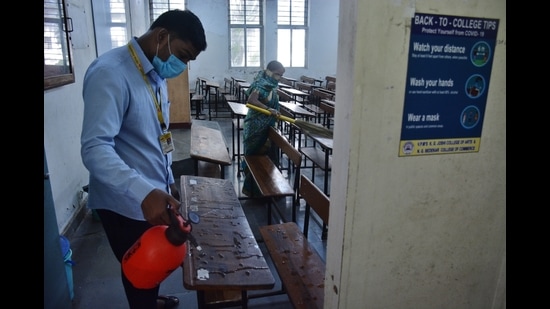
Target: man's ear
(162,36)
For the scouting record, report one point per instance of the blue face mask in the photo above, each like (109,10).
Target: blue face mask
(171,67)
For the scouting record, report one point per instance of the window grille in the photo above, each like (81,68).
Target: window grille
(246,32)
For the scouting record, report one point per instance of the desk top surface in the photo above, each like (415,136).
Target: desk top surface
(296,109)
(208,145)
(211,83)
(238,108)
(290,79)
(324,141)
(240,80)
(329,102)
(243,85)
(230,257)
(293,91)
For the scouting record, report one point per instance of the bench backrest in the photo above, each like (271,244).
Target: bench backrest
(307,79)
(285,81)
(329,109)
(283,96)
(291,152)
(305,87)
(294,157)
(318,94)
(227,83)
(315,198)
(329,78)
(331,86)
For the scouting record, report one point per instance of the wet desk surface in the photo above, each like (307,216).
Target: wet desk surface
(230,258)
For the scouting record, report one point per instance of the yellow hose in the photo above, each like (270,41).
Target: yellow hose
(265,111)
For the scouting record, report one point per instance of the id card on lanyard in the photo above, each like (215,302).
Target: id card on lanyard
(166,137)
(166,142)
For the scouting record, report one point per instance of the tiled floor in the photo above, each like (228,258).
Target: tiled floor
(96,273)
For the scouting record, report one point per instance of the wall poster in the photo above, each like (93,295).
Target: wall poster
(448,74)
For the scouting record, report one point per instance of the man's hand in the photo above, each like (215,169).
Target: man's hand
(155,204)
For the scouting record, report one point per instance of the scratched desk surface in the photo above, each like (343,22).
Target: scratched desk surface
(230,258)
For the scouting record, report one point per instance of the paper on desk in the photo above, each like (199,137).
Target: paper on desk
(202,274)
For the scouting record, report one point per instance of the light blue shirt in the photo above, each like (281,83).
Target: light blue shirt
(120,143)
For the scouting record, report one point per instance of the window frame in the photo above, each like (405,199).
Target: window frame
(293,27)
(59,75)
(246,27)
(107,22)
(170,5)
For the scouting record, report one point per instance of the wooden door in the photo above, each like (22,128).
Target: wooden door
(178,94)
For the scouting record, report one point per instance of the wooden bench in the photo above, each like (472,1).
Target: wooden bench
(231,98)
(269,177)
(209,151)
(300,267)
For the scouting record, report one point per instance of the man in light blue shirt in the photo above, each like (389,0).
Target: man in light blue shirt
(125,143)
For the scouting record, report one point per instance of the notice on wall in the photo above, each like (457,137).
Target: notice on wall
(450,62)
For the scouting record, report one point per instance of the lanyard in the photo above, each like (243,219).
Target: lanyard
(146,79)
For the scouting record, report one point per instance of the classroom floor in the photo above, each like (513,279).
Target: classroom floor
(96,272)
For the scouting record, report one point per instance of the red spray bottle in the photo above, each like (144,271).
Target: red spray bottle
(159,251)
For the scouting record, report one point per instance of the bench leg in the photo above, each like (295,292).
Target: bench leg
(196,167)
(200,299)
(269,204)
(244,299)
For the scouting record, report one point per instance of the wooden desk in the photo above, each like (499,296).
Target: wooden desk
(291,80)
(320,81)
(241,88)
(212,85)
(330,92)
(238,112)
(230,259)
(208,145)
(326,145)
(329,102)
(295,93)
(202,84)
(234,84)
(296,110)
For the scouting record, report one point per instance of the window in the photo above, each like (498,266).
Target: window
(292,27)
(157,7)
(110,24)
(58,62)
(245,33)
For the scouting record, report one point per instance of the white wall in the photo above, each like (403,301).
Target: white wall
(411,232)
(214,62)
(63,109)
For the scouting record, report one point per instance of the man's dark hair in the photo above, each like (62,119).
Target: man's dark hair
(185,24)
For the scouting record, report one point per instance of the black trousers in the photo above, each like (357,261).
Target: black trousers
(122,233)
